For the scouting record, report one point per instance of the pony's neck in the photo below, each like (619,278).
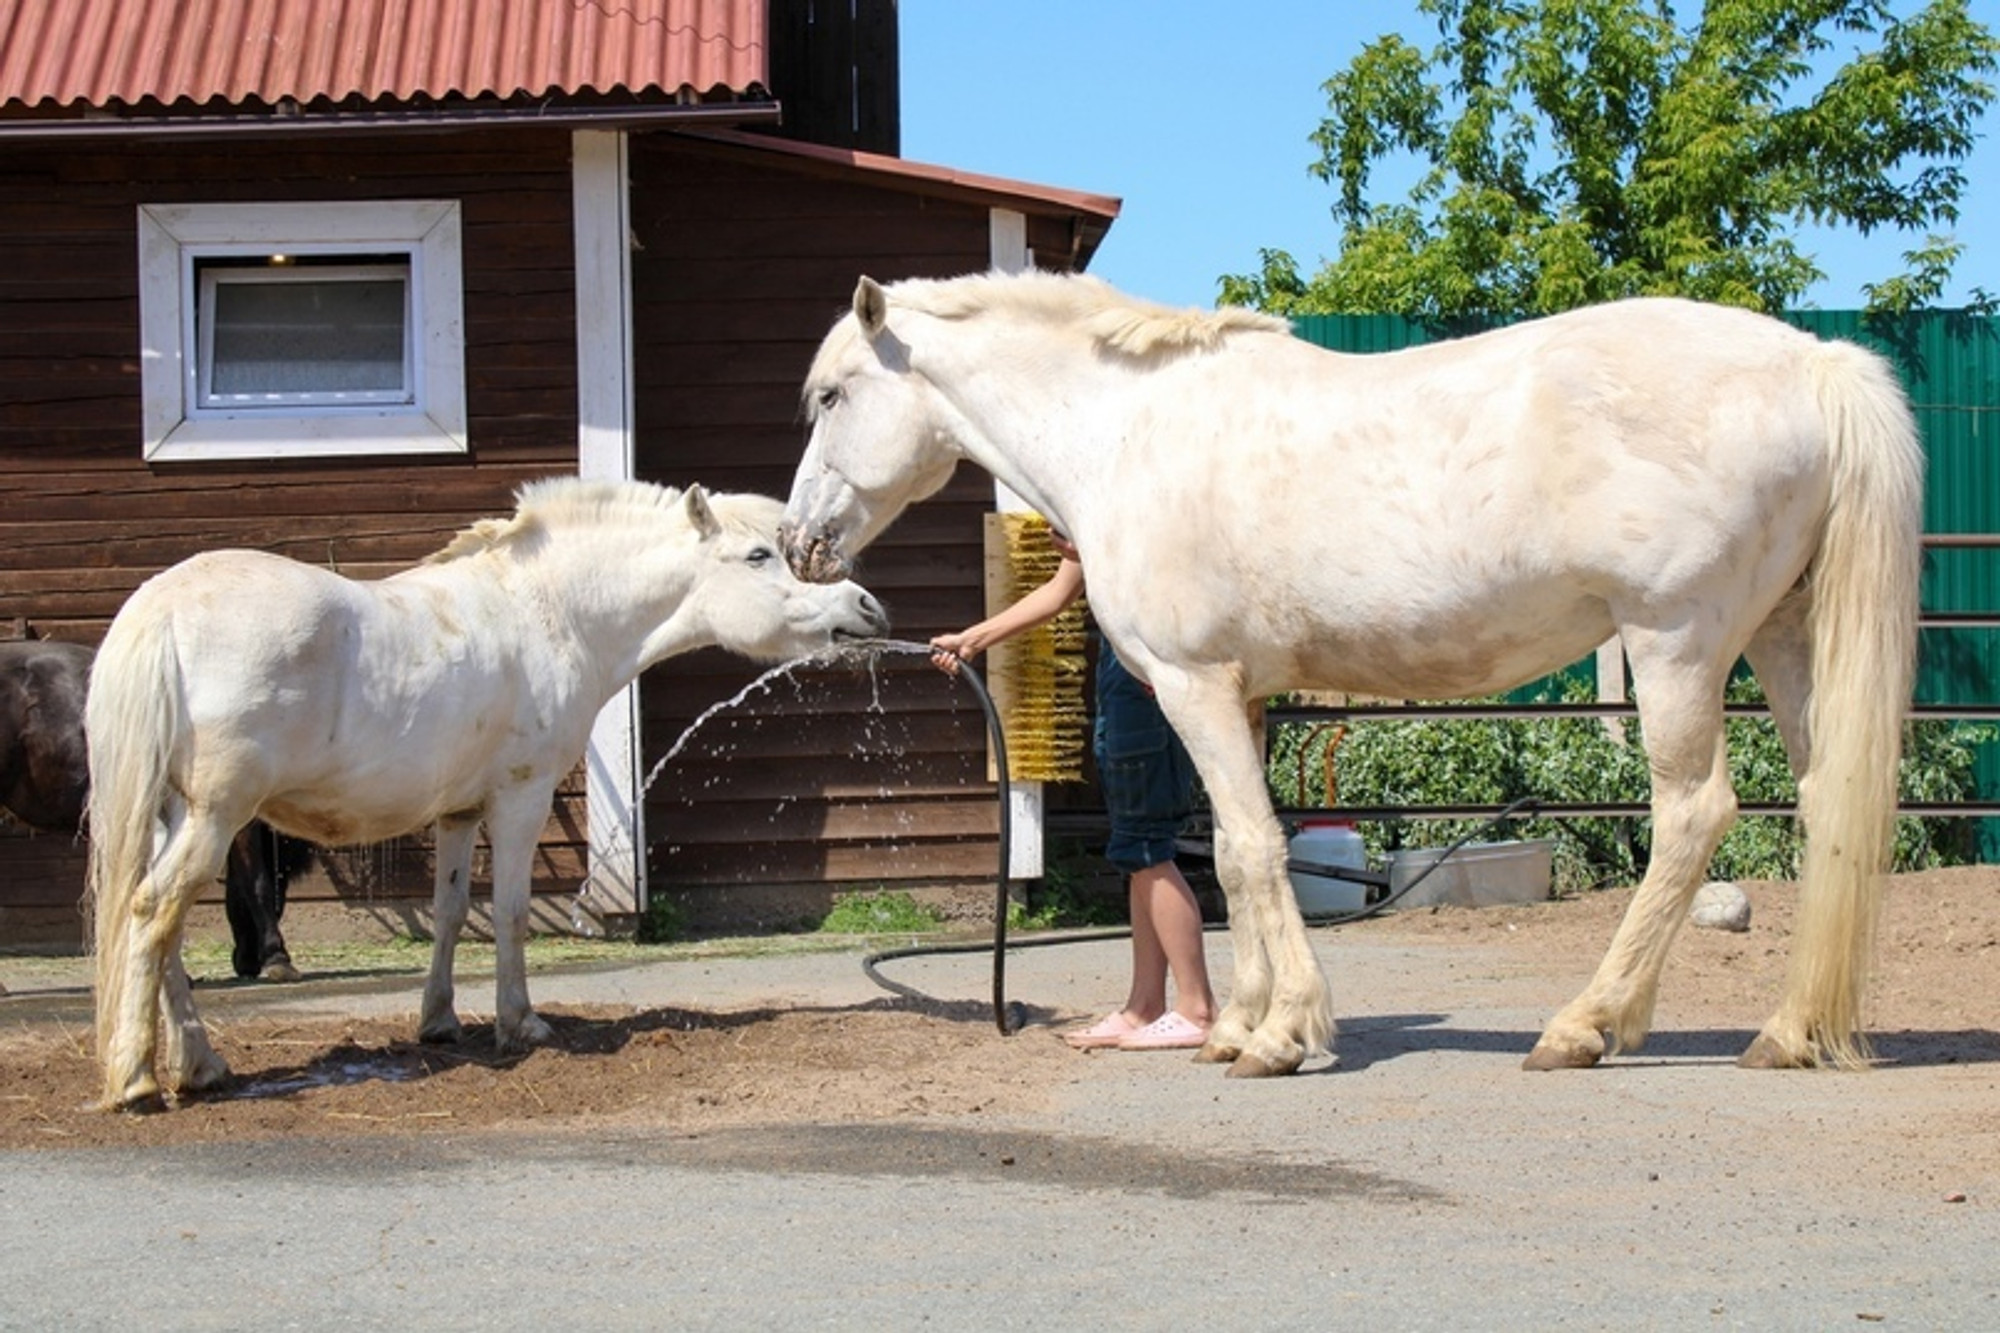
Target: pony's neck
(630,615)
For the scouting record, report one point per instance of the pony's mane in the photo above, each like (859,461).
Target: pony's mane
(564,500)
(1127,325)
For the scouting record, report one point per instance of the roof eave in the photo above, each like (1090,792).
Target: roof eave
(285,122)
(1091,214)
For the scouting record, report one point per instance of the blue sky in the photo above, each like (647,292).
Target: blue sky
(1196,114)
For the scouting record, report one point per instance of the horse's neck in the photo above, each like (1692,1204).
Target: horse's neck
(1046,432)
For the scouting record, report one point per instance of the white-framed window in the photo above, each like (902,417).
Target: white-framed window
(292,330)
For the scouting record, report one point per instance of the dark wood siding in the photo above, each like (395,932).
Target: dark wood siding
(86,519)
(846,777)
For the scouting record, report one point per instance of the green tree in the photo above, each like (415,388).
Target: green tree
(1574,151)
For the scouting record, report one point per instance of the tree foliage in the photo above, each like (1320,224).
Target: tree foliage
(1575,151)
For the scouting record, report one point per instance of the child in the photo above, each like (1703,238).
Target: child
(1148,789)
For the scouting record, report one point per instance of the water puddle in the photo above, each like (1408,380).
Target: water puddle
(345,1074)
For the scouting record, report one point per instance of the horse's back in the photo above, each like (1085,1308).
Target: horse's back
(1460,516)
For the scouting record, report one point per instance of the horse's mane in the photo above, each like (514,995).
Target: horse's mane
(1127,325)
(562,500)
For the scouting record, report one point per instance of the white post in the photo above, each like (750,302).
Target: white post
(601,201)
(1027,809)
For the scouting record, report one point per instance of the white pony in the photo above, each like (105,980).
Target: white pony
(1256,515)
(459,693)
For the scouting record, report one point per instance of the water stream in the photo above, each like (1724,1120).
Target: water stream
(867,654)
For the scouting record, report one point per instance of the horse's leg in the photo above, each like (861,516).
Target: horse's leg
(192,855)
(1781,655)
(192,1065)
(1680,708)
(269,906)
(451,902)
(254,898)
(240,892)
(513,827)
(1279,1011)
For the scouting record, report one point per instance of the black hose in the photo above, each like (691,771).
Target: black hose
(1008,1018)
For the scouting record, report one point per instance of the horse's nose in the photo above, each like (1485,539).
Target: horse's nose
(872,612)
(812,553)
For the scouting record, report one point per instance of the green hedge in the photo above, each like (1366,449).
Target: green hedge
(1494,761)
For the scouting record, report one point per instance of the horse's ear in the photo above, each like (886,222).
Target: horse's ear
(700,515)
(871,307)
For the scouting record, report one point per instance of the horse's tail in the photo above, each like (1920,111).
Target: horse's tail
(1863,583)
(133,719)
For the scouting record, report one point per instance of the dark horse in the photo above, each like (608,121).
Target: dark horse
(45,776)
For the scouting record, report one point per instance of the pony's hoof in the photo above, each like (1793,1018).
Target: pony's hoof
(446,1032)
(208,1076)
(1250,1065)
(281,971)
(136,1103)
(1545,1057)
(1764,1053)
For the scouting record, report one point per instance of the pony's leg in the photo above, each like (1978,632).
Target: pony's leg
(1680,707)
(513,828)
(192,1065)
(192,855)
(1279,1010)
(451,902)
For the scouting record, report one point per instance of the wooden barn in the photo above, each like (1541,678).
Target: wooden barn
(480,242)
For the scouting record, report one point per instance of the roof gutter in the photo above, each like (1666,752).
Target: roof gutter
(283,123)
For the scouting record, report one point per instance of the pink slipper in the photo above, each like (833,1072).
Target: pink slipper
(1107,1031)
(1168,1032)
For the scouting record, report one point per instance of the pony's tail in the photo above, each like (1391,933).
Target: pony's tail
(132,720)
(1864,583)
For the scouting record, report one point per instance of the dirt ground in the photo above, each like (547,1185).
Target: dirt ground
(696,1070)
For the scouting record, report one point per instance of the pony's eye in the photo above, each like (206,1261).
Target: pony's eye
(829,398)
(760,556)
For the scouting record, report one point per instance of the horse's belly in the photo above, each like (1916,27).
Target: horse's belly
(1453,657)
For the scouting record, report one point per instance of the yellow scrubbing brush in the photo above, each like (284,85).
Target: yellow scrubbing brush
(1036,678)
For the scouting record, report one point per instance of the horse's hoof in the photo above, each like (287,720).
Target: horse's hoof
(1216,1053)
(282,971)
(441,1034)
(1545,1057)
(1249,1065)
(1764,1053)
(525,1035)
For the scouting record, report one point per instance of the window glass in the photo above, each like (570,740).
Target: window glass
(311,336)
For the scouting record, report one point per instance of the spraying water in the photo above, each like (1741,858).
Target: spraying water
(867,653)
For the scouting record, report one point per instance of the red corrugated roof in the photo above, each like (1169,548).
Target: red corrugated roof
(98,53)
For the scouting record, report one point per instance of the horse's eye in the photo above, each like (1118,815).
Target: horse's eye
(760,556)
(829,398)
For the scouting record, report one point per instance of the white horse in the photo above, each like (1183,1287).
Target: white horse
(1255,515)
(459,693)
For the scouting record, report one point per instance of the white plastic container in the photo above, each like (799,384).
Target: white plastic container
(1327,842)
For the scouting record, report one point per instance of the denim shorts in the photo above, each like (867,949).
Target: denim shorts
(1147,775)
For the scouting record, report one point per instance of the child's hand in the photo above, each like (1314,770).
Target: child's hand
(948,650)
